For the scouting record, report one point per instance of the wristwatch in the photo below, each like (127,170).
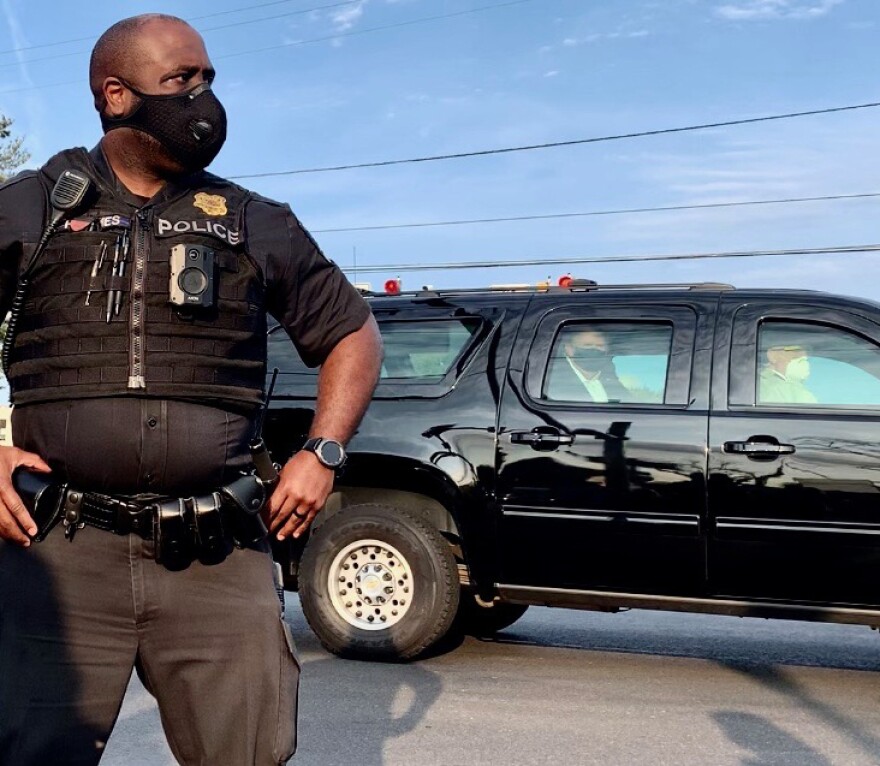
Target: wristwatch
(330,453)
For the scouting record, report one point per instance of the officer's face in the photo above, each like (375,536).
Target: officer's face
(171,59)
(168,58)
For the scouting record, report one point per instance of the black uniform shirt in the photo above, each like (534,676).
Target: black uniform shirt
(130,445)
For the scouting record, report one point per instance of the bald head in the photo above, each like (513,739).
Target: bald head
(120,51)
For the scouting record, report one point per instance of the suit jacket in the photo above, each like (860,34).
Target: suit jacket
(563,384)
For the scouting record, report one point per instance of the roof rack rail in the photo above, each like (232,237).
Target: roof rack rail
(576,286)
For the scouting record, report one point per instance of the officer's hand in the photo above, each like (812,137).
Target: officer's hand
(16,523)
(302,490)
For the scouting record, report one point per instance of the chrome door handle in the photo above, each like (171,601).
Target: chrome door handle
(540,439)
(759,448)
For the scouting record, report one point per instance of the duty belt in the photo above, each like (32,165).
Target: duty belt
(111,514)
(185,526)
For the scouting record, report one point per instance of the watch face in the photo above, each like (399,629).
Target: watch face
(332,454)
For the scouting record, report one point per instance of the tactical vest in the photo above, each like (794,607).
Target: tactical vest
(65,349)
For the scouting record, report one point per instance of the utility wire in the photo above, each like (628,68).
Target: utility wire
(411,22)
(190,18)
(367,30)
(334,36)
(404,267)
(556,144)
(623,211)
(208,29)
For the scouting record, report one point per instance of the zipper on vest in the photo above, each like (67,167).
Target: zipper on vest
(136,377)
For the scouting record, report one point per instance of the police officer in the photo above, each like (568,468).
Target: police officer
(136,389)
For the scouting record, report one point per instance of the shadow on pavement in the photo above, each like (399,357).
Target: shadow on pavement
(768,744)
(744,642)
(780,682)
(369,704)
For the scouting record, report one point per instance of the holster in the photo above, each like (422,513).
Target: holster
(43,498)
(247,496)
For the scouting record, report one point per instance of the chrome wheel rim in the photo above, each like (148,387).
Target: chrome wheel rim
(370,584)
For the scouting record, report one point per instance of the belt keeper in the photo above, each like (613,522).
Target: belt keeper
(71,518)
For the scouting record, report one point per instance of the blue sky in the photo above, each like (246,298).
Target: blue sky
(525,73)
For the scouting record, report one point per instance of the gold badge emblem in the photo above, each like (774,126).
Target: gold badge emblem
(212,204)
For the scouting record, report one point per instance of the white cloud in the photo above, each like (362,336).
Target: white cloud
(594,37)
(551,73)
(346,18)
(750,10)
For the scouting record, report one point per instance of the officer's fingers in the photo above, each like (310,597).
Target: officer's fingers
(15,508)
(11,530)
(304,523)
(297,523)
(287,507)
(32,462)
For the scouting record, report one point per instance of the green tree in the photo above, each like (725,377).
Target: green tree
(12,153)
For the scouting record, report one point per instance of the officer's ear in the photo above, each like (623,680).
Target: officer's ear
(117,97)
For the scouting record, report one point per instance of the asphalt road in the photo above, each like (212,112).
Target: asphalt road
(566,687)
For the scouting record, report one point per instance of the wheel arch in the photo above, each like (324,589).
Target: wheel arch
(420,488)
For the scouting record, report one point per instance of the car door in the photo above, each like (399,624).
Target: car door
(607,494)
(794,467)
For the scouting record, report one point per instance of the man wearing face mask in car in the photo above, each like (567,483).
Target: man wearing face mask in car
(585,372)
(140,287)
(783,379)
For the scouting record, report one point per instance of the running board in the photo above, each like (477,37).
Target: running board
(608,601)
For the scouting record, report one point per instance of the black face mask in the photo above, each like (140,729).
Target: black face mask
(190,126)
(591,358)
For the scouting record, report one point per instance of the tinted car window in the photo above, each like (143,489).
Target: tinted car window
(609,362)
(804,364)
(417,350)
(424,350)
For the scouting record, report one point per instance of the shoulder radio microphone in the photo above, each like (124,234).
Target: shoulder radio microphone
(66,197)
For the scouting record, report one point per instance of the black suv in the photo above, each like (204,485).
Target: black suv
(683,447)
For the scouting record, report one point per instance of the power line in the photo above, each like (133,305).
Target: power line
(294,43)
(557,144)
(623,211)
(411,22)
(208,29)
(190,18)
(501,264)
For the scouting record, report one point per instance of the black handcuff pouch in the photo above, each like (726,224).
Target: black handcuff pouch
(247,495)
(43,498)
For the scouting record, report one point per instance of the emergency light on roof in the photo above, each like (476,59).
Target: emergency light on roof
(393,286)
(565,280)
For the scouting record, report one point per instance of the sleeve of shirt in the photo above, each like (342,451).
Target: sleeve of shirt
(306,292)
(21,218)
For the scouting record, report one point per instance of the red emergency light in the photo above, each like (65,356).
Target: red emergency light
(565,280)
(393,286)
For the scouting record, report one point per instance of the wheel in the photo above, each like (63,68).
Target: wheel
(476,620)
(378,583)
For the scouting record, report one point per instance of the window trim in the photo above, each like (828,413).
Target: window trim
(743,359)
(302,385)
(678,370)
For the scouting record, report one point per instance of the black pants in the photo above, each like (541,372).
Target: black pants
(207,641)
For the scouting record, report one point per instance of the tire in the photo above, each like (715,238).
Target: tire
(403,591)
(476,620)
